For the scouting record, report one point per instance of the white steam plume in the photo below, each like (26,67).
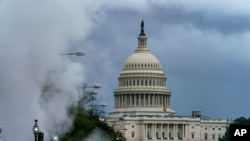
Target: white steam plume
(98,135)
(32,35)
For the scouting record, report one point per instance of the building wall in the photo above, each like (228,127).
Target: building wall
(144,128)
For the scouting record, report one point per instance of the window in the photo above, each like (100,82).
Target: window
(219,136)
(133,126)
(213,137)
(132,134)
(192,135)
(205,136)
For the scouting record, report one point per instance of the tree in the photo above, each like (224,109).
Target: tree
(84,122)
(240,120)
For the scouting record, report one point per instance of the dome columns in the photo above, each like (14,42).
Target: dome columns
(156,100)
(142,43)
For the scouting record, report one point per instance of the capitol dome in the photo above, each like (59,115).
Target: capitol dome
(142,60)
(142,83)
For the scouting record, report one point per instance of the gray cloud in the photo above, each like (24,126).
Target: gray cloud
(33,34)
(205,62)
(203,19)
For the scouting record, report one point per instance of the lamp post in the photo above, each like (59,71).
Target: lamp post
(37,134)
(1,129)
(98,109)
(36,130)
(95,86)
(86,99)
(78,53)
(85,86)
(55,138)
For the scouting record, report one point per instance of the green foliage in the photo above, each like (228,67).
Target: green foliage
(84,122)
(240,120)
(119,137)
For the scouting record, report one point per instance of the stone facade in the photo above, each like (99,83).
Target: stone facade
(142,109)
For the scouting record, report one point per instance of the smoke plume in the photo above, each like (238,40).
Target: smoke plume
(35,81)
(98,135)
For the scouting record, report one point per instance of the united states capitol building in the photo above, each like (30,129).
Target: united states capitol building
(142,110)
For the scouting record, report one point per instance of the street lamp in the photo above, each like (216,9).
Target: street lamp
(98,109)
(86,94)
(87,98)
(100,105)
(36,130)
(55,138)
(1,129)
(38,135)
(95,86)
(78,53)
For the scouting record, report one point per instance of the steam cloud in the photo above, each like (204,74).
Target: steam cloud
(98,135)
(33,34)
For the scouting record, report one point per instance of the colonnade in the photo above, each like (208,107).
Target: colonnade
(164,131)
(141,100)
(161,82)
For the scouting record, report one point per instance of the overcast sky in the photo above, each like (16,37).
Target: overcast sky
(203,47)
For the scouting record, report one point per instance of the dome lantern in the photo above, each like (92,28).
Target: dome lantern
(142,40)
